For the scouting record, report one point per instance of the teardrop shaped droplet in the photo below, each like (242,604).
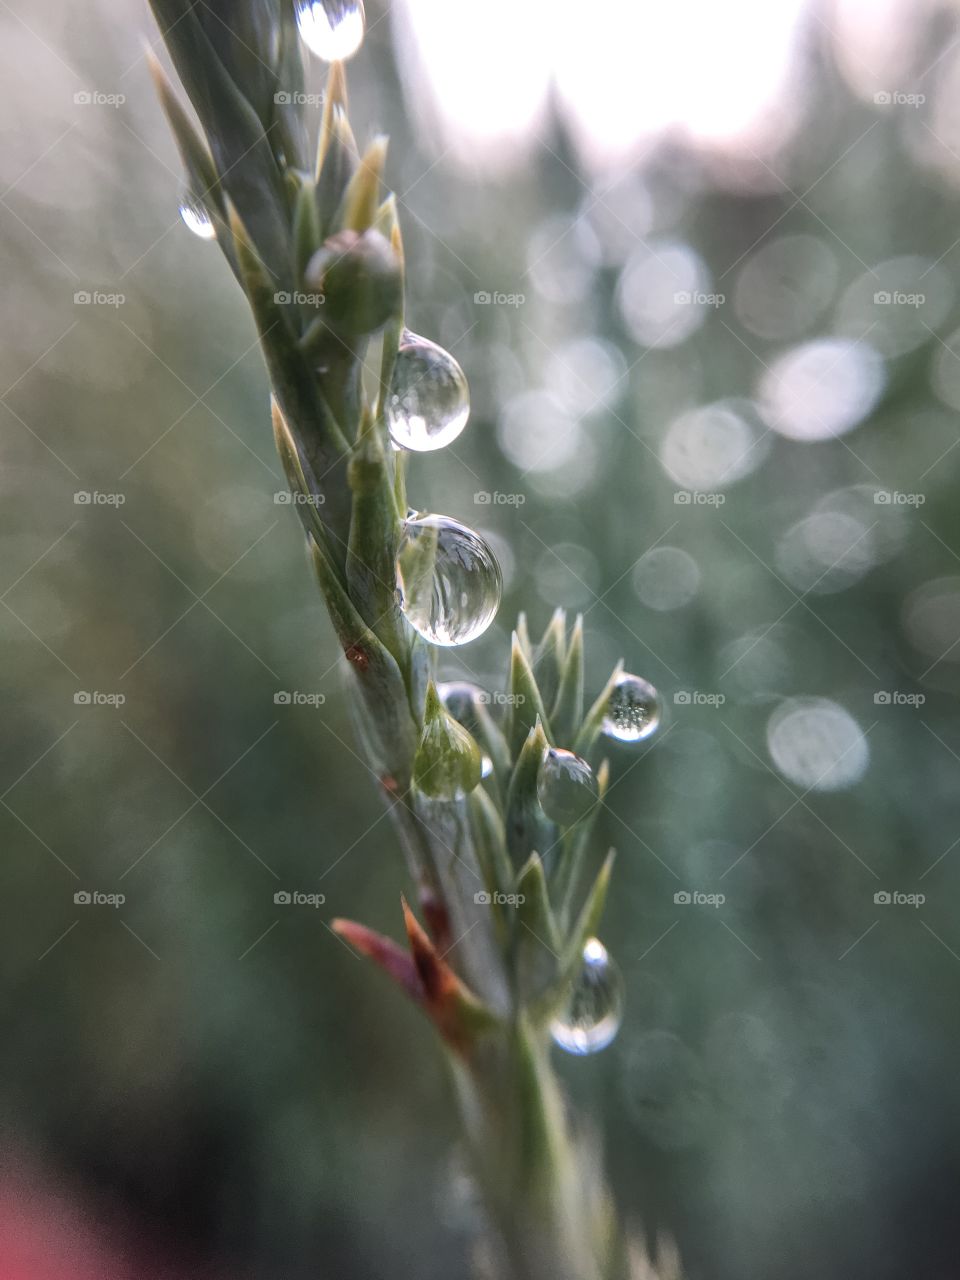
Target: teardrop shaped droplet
(196,219)
(594,1012)
(429,401)
(448,580)
(633,710)
(566,787)
(486,766)
(332,29)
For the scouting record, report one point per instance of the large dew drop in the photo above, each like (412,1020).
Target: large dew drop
(595,1009)
(633,711)
(196,219)
(429,400)
(448,580)
(332,29)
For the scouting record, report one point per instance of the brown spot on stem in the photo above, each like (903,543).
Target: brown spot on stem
(358,656)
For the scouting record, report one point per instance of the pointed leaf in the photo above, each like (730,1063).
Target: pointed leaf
(567,710)
(457,1013)
(361,198)
(528,828)
(490,841)
(526,705)
(548,657)
(384,952)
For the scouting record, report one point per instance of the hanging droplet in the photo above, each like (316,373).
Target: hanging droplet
(429,400)
(461,699)
(332,29)
(595,1009)
(633,710)
(566,787)
(195,218)
(448,580)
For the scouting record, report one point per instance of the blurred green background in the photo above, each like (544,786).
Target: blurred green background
(715,383)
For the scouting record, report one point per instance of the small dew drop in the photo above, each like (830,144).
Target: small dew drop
(332,29)
(594,1012)
(448,580)
(429,401)
(196,219)
(566,787)
(486,767)
(633,711)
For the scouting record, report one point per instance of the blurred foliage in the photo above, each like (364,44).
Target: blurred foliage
(218,1067)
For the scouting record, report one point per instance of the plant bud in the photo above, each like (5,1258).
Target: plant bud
(361,280)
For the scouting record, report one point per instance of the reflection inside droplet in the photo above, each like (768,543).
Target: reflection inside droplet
(594,1010)
(428,403)
(448,580)
(332,29)
(195,218)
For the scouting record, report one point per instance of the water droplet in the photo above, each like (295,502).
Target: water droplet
(566,787)
(448,580)
(633,710)
(486,767)
(196,219)
(594,1012)
(332,29)
(429,401)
